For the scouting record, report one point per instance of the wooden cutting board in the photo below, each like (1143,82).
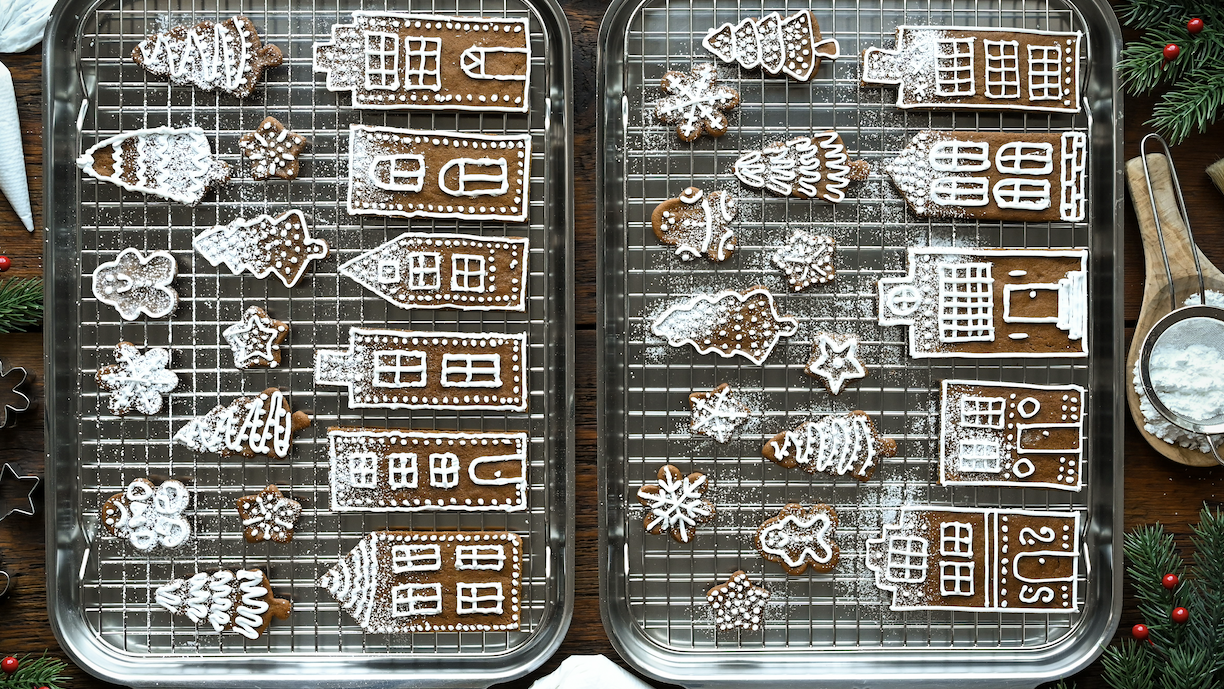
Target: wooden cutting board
(1156,283)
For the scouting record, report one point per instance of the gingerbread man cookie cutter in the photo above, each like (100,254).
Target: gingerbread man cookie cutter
(22,401)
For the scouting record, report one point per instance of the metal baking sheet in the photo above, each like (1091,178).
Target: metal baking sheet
(100,588)
(838,627)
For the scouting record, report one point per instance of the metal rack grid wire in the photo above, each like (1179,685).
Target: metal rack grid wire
(667,581)
(116,590)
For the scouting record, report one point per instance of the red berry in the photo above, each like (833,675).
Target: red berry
(1195,26)
(1180,615)
(1170,581)
(1139,631)
(9,665)
(5,263)
(1171,52)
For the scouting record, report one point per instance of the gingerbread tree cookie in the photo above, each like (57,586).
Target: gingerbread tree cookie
(738,603)
(696,103)
(800,537)
(256,339)
(263,246)
(137,381)
(268,516)
(273,150)
(239,601)
(775,44)
(249,426)
(676,504)
(815,167)
(838,444)
(727,323)
(148,515)
(225,56)
(697,223)
(175,164)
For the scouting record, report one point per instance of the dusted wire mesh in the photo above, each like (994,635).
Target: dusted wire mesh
(667,581)
(117,583)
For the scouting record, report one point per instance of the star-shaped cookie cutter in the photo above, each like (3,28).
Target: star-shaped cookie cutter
(24,404)
(8,470)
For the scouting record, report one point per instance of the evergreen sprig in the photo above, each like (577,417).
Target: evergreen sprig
(35,672)
(21,305)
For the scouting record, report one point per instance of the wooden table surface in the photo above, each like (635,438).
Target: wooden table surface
(1156,489)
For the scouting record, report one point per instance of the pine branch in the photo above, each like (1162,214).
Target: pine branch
(1145,14)
(1152,554)
(1188,668)
(1190,106)
(36,672)
(1130,665)
(1143,66)
(1206,605)
(21,304)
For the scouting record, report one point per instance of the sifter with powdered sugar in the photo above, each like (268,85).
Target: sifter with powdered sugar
(1181,360)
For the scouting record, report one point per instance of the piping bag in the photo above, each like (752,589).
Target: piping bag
(21,26)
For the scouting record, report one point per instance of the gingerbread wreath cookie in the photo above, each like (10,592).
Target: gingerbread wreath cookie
(149,515)
(800,537)
(273,150)
(675,503)
(137,381)
(224,56)
(697,223)
(240,601)
(175,164)
(696,103)
(249,426)
(268,515)
(837,444)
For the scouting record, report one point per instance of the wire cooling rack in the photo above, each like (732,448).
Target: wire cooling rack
(660,585)
(114,594)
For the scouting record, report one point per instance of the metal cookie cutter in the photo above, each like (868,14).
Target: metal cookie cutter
(10,381)
(1200,324)
(6,472)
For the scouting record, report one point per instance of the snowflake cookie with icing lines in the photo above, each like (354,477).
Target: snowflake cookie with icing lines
(240,601)
(738,603)
(392,470)
(806,259)
(446,271)
(409,173)
(727,323)
(790,45)
(977,303)
(676,504)
(695,103)
(263,246)
(397,582)
(1010,176)
(224,56)
(1012,434)
(273,150)
(697,223)
(835,360)
(951,67)
(249,426)
(136,283)
(149,515)
(175,164)
(391,60)
(717,413)
(425,369)
(268,515)
(994,560)
(256,339)
(800,537)
(136,382)
(815,167)
(838,444)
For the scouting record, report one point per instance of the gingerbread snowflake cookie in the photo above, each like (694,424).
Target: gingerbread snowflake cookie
(175,164)
(137,381)
(273,150)
(676,503)
(149,515)
(240,601)
(263,246)
(268,516)
(223,56)
(838,444)
(807,167)
(790,45)
(806,259)
(718,413)
(697,223)
(136,283)
(835,360)
(249,426)
(800,537)
(696,103)
(727,323)
(738,603)
(256,339)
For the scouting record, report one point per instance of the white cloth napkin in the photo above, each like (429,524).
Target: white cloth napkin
(21,26)
(589,672)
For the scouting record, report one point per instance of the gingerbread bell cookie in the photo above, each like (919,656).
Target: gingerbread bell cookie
(695,103)
(800,537)
(224,56)
(273,150)
(240,601)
